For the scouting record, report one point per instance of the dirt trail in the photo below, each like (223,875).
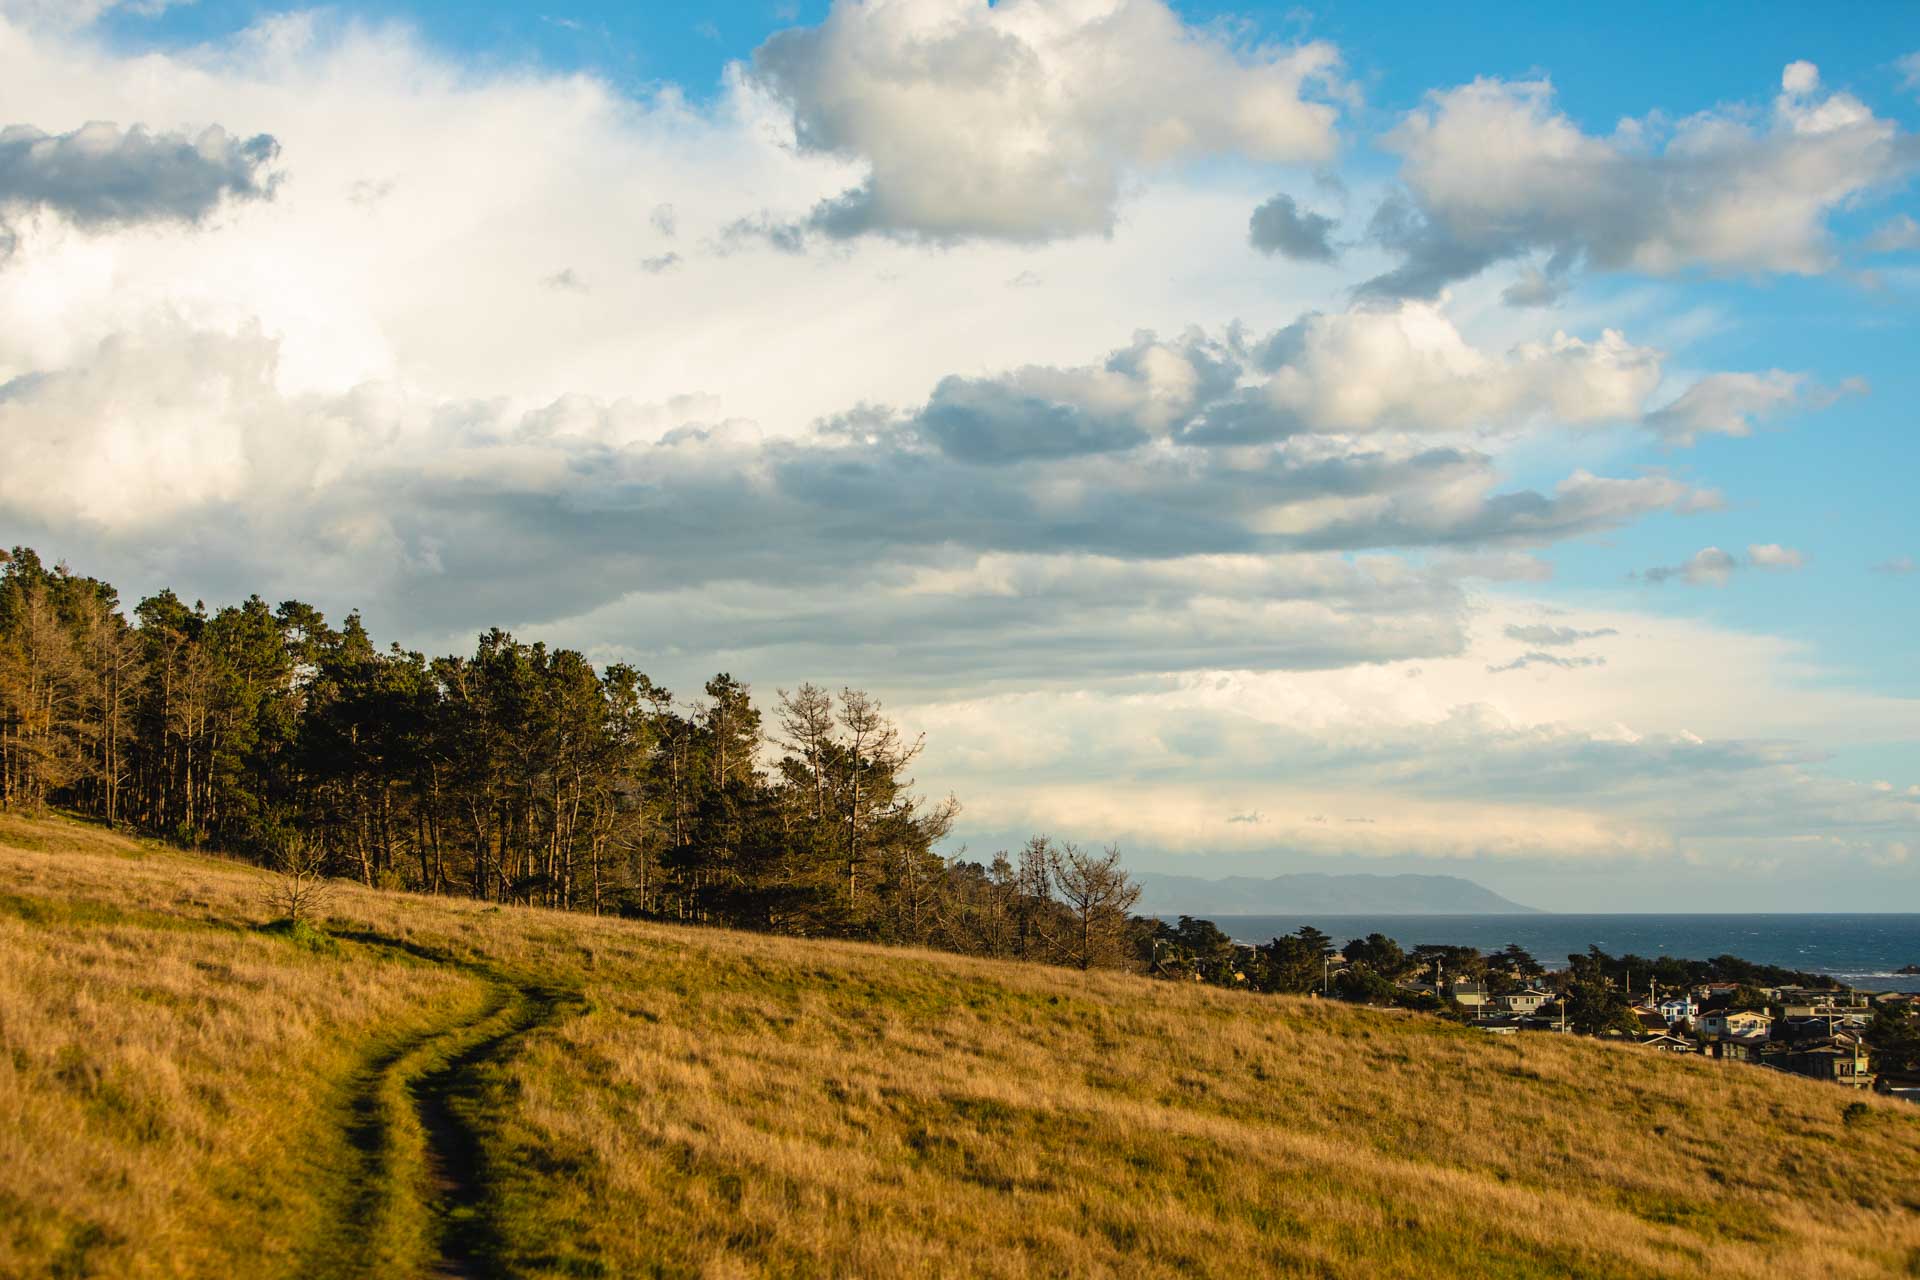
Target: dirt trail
(444,1101)
(420,1195)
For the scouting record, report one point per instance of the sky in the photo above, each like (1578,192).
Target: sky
(1470,442)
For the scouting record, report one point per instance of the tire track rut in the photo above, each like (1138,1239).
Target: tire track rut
(420,1199)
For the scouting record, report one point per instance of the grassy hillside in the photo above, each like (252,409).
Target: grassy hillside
(440,1087)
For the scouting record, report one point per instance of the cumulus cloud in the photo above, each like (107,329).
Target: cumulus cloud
(1492,171)
(1210,573)
(1408,367)
(1370,371)
(1023,121)
(1402,370)
(101,176)
(1281,227)
(176,439)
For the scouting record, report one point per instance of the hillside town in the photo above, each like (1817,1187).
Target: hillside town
(1725,1009)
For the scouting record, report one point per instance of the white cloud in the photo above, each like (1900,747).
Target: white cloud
(1408,367)
(1729,404)
(1712,567)
(176,441)
(1707,567)
(1771,555)
(1799,79)
(362,393)
(71,14)
(1689,744)
(1909,68)
(1897,565)
(1025,120)
(1896,235)
(424,201)
(1494,171)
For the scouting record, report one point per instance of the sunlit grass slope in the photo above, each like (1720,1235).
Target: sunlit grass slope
(183,1093)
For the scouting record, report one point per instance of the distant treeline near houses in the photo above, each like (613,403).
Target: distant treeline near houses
(518,774)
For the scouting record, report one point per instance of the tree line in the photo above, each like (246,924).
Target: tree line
(524,774)
(518,774)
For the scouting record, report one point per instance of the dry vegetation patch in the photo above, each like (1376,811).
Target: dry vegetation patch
(730,1104)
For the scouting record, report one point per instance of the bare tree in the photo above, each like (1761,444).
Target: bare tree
(300,887)
(1097,894)
(875,754)
(1032,897)
(806,720)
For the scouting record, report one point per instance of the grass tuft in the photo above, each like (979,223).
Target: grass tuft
(301,934)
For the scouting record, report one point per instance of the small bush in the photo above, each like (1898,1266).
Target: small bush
(302,934)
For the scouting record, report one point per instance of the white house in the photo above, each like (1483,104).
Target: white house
(1678,1009)
(1726,1022)
(1667,1044)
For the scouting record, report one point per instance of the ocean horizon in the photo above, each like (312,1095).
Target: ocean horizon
(1861,949)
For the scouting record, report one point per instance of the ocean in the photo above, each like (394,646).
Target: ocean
(1860,950)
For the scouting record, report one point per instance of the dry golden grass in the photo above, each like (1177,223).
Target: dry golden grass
(179,1091)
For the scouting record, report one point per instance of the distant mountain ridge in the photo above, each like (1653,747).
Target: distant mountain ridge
(1316,893)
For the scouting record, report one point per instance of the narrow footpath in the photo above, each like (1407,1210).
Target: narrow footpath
(420,1197)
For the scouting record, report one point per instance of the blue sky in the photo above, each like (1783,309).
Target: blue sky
(1639,55)
(1558,533)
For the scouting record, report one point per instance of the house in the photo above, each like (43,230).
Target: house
(1471,995)
(1905,1087)
(1725,1022)
(1838,1011)
(1706,991)
(1679,1008)
(1664,1043)
(1734,1050)
(1802,1022)
(1652,1022)
(1821,996)
(1527,1001)
(1842,1060)
(1467,993)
